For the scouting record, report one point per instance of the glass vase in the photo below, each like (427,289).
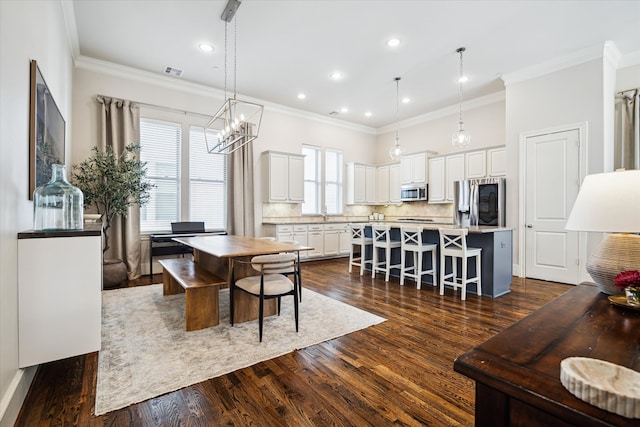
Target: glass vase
(58,205)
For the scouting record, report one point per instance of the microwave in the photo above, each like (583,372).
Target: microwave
(413,192)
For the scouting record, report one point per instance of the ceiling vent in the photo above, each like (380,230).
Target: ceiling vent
(333,113)
(173,71)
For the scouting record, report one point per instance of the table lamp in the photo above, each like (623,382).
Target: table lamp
(610,203)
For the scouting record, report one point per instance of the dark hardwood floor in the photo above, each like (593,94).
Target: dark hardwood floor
(399,372)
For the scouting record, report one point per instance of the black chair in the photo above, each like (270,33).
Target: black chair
(270,283)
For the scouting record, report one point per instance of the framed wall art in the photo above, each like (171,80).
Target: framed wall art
(46,131)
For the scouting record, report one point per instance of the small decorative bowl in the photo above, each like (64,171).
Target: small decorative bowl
(608,386)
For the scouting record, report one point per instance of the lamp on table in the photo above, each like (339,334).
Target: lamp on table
(610,203)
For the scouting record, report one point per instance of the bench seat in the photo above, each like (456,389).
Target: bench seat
(201,288)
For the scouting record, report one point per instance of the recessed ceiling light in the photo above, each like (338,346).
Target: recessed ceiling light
(368,114)
(393,42)
(336,75)
(406,100)
(302,96)
(344,109)
(205,47)
(463,79)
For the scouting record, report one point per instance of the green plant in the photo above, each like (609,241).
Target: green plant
(112,183)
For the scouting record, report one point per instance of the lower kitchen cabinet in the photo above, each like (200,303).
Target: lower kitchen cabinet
(327,240)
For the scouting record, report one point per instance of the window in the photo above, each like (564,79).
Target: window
(319,193)
(160,144)
(312,182)
(207,182)
(190,183)
(333,181)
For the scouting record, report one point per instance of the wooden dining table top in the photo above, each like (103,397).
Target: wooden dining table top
(229,246)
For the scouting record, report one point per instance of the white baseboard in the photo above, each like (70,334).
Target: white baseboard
(13,398)
(516,270)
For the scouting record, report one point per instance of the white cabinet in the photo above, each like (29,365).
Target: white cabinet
(370,184)
(454,171)
(475,164)
(345,239)
(437,187)
(388,184)
(284,233)
(414,168)
(332,239)
(315,237)
(497,161)
(382,184)
(394,183)
(361,184)
(59,295)
(283,177)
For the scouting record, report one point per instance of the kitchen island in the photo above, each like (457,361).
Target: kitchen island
(495,242)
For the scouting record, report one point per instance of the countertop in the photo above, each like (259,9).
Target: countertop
(426,224)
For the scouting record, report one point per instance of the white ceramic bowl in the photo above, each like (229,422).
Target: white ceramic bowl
(608,386)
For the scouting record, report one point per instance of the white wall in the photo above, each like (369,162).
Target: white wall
(485,123)
(628,78)
(28,30)
(569,96)
(282,129)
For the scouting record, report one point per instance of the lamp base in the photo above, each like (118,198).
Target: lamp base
(616,253)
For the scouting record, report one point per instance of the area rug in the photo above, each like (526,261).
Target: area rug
(146,351)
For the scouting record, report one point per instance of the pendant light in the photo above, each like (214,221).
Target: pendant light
(396,152)
(460,138)
(237,122)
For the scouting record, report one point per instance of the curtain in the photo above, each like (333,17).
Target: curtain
(627,132)
(120,126)
(240,204)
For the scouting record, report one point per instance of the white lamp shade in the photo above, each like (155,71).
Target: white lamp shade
(608,203)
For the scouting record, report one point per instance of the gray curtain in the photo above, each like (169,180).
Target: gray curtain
(627,133)
(120,121)
(240,204)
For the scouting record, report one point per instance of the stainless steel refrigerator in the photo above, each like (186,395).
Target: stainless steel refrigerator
(480,202)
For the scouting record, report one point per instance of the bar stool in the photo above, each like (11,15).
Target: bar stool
(411,238)
(453,244)
(382,240)
(359,239)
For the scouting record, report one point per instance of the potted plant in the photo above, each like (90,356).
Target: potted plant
(111,184)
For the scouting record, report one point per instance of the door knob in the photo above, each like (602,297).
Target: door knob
(529,226)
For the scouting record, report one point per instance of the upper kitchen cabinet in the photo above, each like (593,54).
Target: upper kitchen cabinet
(497,161)
(475,164)
(283,175)
(388,184)
(454,171)
(437,187)
(361,184)
(414,168)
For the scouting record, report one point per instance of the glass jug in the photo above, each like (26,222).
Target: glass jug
(58,205)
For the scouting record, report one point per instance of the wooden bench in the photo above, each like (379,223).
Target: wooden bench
(201,288)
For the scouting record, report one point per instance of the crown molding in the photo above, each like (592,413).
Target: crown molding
(130,73)
(629,60)
(471,104)
(548,67)
(69,13)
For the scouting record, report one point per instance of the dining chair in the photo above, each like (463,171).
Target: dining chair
(270,283)
(453,244)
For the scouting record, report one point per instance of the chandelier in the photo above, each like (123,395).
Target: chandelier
(237,122)
(396,152)
(460,138)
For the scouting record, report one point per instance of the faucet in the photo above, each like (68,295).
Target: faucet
(324,213)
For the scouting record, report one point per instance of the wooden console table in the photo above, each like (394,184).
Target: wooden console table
(517,372)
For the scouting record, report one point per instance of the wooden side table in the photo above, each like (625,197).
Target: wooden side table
(517,372)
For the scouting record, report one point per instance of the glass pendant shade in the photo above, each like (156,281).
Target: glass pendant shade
(460,138)
(58,205)
(396,152)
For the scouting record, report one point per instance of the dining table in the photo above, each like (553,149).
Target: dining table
(216,254)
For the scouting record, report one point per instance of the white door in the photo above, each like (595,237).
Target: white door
(551,186)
